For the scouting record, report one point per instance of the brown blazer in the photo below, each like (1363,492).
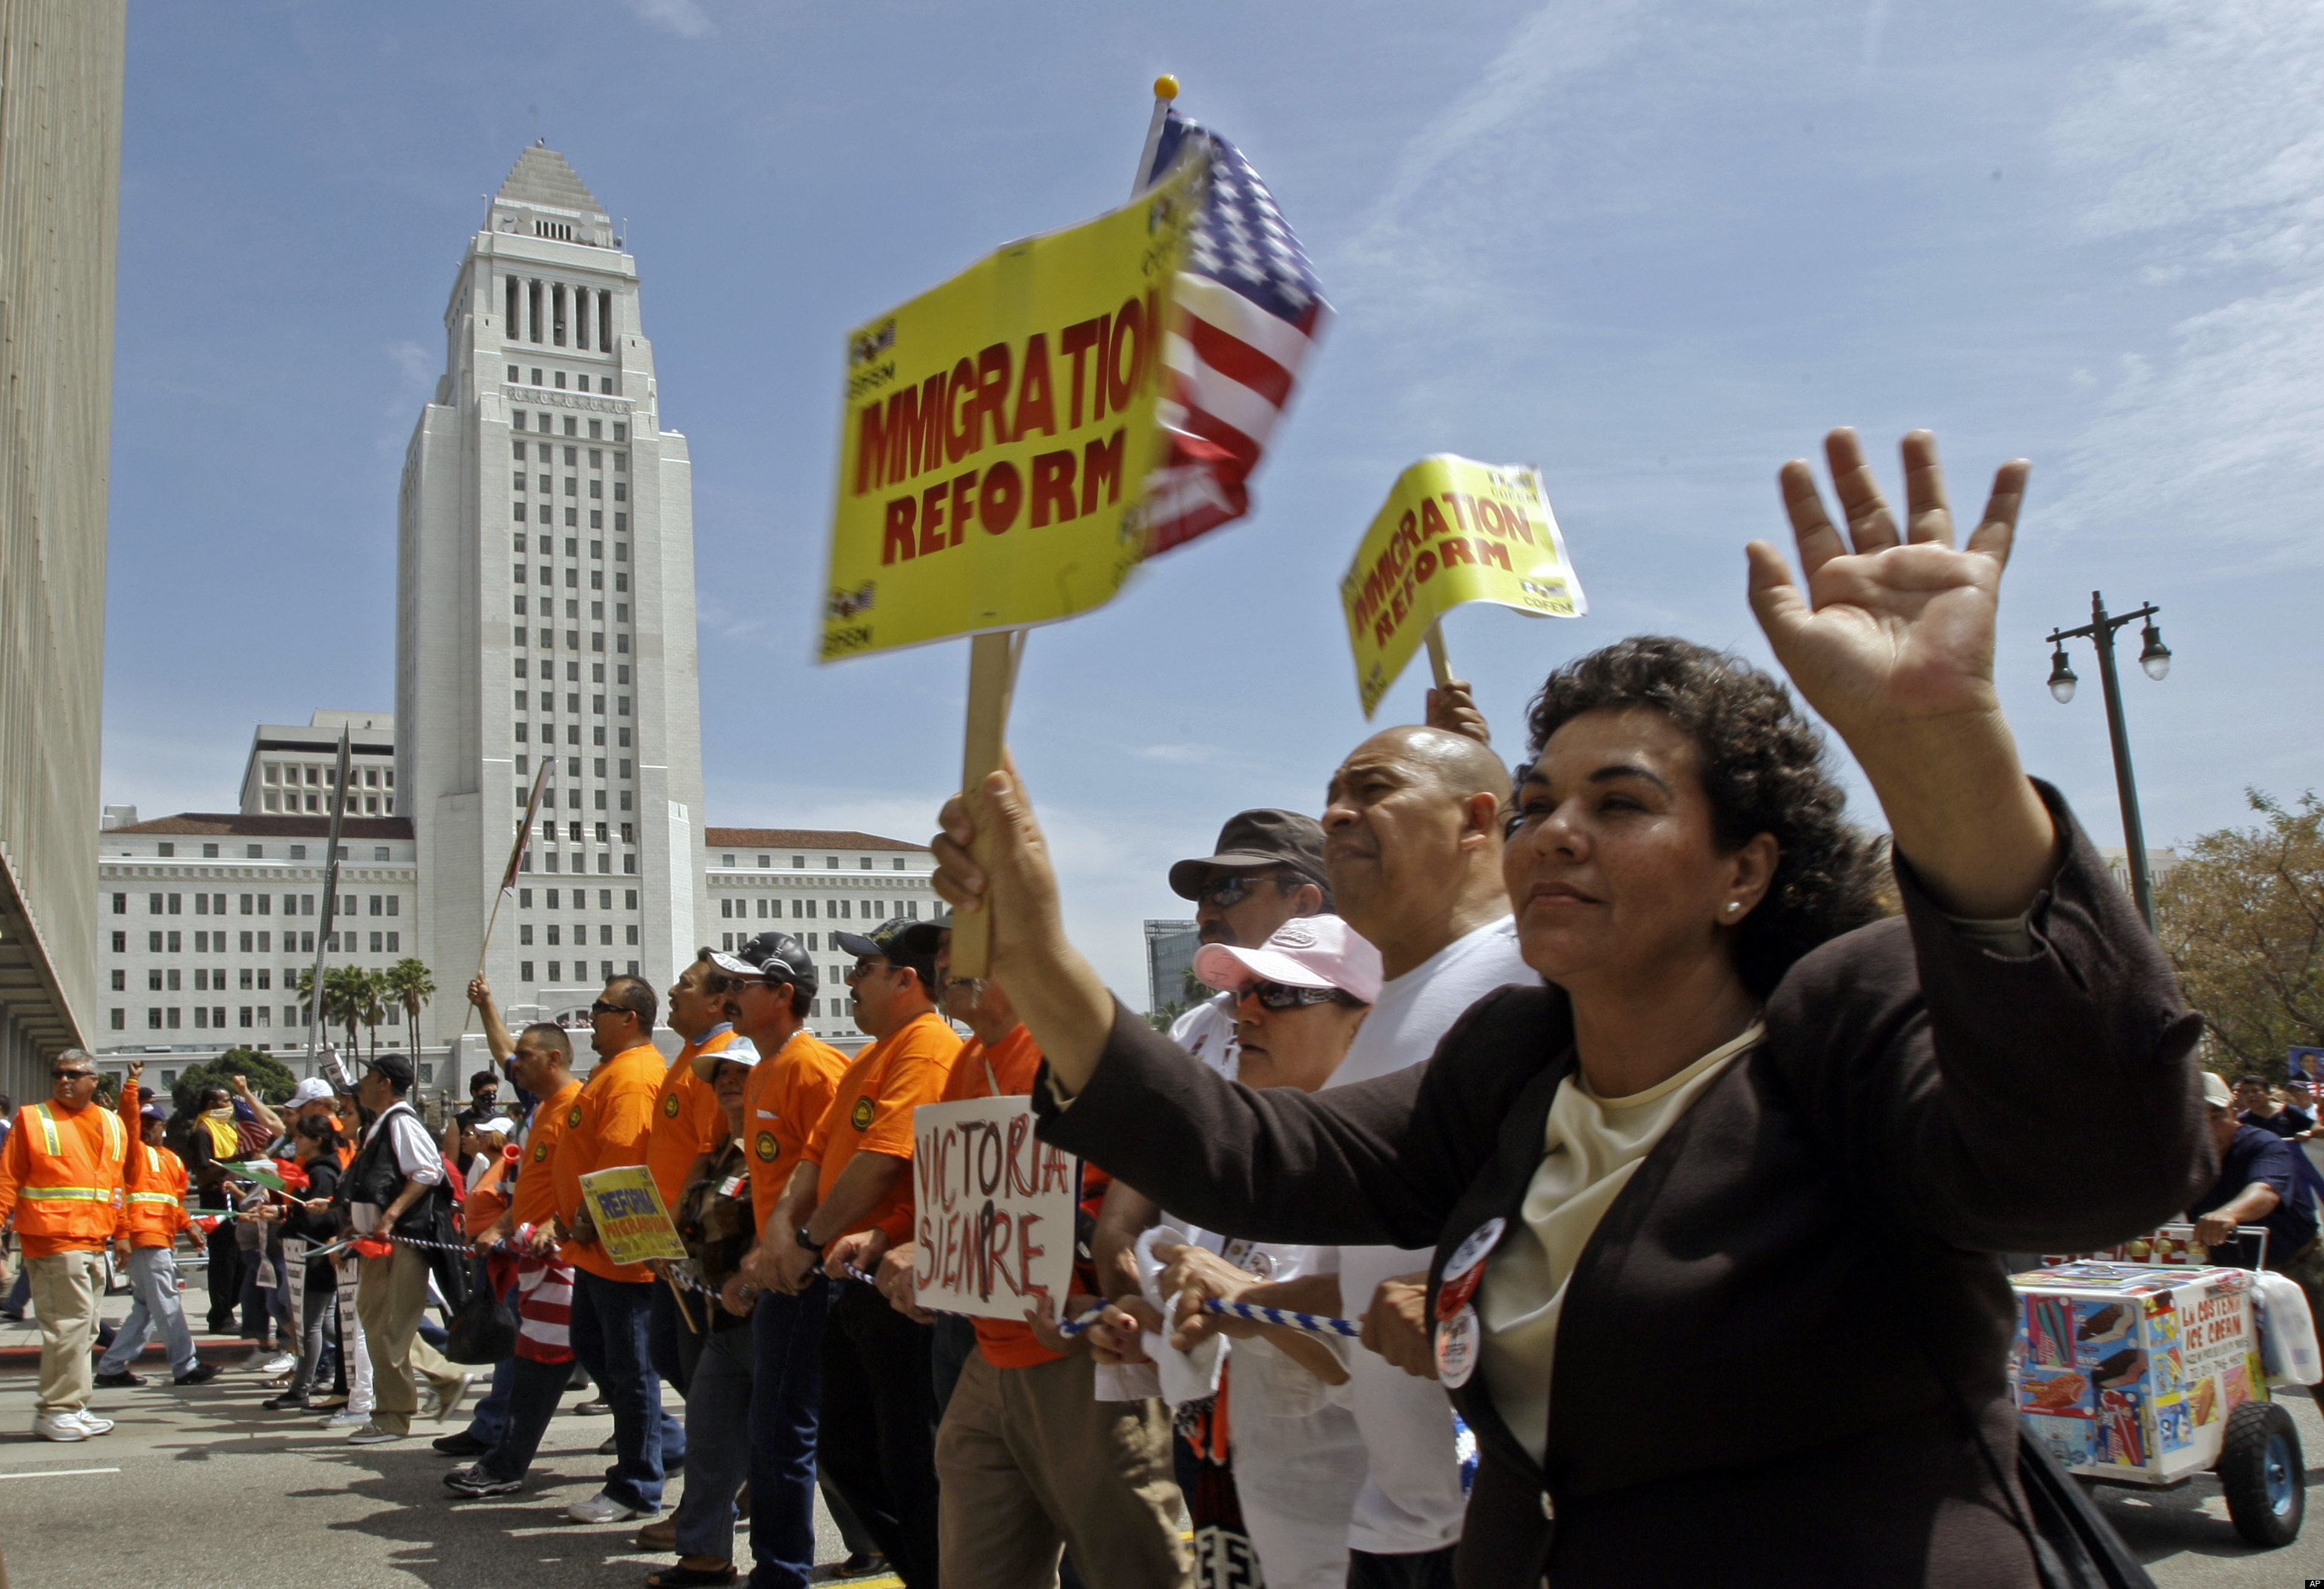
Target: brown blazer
(1782,1357)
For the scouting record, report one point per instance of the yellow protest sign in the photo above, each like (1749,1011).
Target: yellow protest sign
(633,1224)
(1453,530)
(997,432)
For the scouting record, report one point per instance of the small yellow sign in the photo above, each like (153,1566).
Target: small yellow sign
(633,1224)
(1453,530)
(998,433)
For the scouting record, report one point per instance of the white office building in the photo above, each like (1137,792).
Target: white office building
(292,770)
(812,883)
(546,616)
(205,919)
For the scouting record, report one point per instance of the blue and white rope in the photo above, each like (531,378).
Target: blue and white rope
(1313,1324)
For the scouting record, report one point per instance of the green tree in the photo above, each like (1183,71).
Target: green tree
(410,985)
(1192,991)
(266,1074)
(2242,917)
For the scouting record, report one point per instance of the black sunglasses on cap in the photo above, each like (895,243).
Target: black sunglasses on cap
(1282,996)
(1234,887)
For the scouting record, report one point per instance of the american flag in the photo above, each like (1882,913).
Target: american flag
(1250,313)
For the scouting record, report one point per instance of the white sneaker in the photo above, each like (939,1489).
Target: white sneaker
(59,1427)
(94,1424)
(371,1433)
(602,1508)
(280,1363)
(346,1417)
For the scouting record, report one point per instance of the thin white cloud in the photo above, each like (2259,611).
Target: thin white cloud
(685,18)
(2206,140)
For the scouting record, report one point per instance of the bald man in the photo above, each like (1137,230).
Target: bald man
(1412,843)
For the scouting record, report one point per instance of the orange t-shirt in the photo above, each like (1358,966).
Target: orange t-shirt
(488,1194)
(535,1203)
(606,1127)
(61,1176)
(686,1119)
(1014,1063)
(788,1094)
(873,1114)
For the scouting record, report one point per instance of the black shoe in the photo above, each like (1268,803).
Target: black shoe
(462,1444)
(200,1375)
(124,1381)
(594,1408)
(861,1564)
(473,1483)
(289,1401)
(609,1449)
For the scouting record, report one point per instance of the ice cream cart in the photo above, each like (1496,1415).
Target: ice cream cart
(2148,1374)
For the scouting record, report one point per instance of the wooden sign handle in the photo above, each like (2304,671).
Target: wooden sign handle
(1438,664)
(992,679)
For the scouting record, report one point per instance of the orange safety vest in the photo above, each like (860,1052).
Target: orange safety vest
(157,1210)
(61,1178)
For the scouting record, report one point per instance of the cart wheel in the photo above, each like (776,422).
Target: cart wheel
(2261,1469)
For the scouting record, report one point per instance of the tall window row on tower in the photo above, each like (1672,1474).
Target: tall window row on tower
(545,311)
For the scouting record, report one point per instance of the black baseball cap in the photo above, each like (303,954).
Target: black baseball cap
(900,940)
(775,958)
(396,1069)
(1253,839)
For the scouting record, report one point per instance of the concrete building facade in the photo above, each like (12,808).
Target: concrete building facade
(60,73)
(546,616)
(292,770)
(812,883)
(206,920)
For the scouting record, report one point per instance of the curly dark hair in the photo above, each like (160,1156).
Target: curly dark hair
(1764,767)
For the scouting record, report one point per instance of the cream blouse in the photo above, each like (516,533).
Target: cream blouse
(1590,1148)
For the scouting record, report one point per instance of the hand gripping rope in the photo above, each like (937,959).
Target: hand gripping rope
(1315,1324)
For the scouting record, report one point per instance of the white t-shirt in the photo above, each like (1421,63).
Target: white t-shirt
(1207,1032)
(1412,1501)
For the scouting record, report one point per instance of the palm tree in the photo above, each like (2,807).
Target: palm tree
(373,1006)
(410,985)
(346,991)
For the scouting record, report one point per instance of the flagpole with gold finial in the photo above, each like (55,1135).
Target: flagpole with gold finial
(993,659)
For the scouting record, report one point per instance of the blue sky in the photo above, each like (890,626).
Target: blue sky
(1654,249)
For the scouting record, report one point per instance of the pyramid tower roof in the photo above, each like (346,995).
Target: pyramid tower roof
(542,176)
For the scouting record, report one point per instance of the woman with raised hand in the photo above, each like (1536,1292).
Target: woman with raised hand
(1717,1209)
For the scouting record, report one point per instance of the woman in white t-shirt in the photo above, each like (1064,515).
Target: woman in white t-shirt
(1299,1460)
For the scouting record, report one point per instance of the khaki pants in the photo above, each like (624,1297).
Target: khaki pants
(1028,1461)
(66,1290)
(391,1294)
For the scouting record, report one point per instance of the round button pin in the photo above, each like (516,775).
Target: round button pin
(1458,1339)
(1465,1270)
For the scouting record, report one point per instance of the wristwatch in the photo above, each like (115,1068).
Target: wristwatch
(806,1240)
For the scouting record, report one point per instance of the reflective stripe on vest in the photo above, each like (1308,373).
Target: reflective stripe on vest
(48,1118)
(64,1195)
(151,1197)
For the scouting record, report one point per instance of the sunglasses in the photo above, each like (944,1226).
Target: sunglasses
(1235,887)
(1280,995)
(602,1008)
(74,1075)
(863,968)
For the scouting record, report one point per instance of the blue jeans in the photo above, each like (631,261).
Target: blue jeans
(674,1346)
(491,1419)
(266,1309)
(612,1321)
(786,1399)
(717,1442)
(534,1391)
(20,1292)
(154,1279)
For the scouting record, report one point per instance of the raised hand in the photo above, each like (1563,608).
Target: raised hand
(1892,644)
(1889,625)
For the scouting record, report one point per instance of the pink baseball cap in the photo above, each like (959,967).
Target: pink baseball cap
(1306,952)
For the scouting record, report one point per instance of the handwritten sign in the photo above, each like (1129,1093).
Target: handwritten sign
(633,1224)
(995,1210)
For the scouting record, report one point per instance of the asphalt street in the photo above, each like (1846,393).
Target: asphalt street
(203,1489)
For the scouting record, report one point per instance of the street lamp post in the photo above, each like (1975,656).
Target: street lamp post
(2154,657)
